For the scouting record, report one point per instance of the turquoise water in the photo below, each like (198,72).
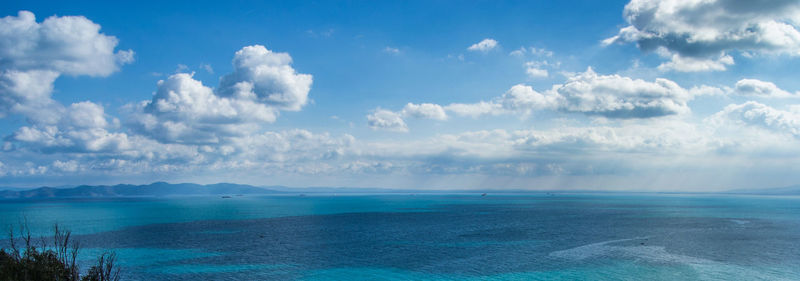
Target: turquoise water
(433,237)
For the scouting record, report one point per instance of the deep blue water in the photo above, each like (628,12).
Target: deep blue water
(434,237)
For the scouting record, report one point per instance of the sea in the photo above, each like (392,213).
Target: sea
(534,236)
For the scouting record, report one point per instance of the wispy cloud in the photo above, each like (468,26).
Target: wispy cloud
(483,46)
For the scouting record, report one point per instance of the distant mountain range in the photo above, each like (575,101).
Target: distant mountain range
(163,189)
(156,189)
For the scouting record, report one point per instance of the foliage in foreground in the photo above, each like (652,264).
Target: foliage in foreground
(56,261)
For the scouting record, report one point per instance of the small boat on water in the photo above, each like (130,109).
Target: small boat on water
(225,196)
(483,194)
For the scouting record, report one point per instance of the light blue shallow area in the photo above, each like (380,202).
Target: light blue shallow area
(433,237)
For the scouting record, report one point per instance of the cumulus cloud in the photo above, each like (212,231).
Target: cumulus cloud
(33,55)
(690,64)
(759,115)
(266,77)
(611,96)
(183,110)
(382,119)
(82,127)
(589,93)
(70,45)
(484,46)
(425,111)
(616,96)
(755,87)
(523,98)
(699,34)
(28,93)
(186,125)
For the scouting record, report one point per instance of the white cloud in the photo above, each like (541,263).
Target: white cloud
(70,166)
(28,93)
(391,50)
(616,96)
(269,153)
(484,46)
(291,146)
(533,51)
(267,77)
(523,98)
(758,115)
(538,68)
(698,32)
(183,110)
(207,68)
(82,127)
(425,111)
(475,110)
(382,119)
(690,64)
(754,87)
(33,55)
(541,52)
(518,52)
(181,68)
(70,45)
(535,72)
(610,96)
(571,150)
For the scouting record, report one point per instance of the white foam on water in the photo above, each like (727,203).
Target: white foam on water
(706,269)
(740,222)
(589,250)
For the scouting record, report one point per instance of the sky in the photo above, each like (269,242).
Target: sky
(645,95)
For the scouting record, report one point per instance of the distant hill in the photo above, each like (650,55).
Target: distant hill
(156,189)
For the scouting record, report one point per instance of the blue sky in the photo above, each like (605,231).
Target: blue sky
(639,95)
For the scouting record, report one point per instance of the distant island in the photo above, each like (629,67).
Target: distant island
(156,189)
(164,189)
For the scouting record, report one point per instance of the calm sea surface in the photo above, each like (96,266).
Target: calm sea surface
(433,237)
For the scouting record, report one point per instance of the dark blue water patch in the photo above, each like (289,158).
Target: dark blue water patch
(483,239)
